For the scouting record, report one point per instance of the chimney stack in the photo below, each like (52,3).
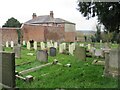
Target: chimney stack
(51,14)
(34,15)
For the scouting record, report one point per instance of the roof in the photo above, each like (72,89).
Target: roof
(47,19)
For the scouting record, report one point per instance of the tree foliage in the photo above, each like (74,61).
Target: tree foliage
(108,13)
(12,22)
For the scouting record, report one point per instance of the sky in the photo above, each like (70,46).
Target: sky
(22,10)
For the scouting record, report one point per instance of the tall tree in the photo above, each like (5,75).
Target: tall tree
(12,22)
(108,13)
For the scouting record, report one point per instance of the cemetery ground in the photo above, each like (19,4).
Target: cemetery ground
(81,74)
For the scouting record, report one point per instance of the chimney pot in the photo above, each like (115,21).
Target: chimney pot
(34,15)
(51,14)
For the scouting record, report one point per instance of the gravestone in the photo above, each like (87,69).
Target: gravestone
(61,48)
(42,56)
(42,44)
(89,46)
(71,49)
(28,45)
(112,63)
(24,43)
(52,51)
(35,45)
(17,51)
(80,53)
(98,52)
(7,70)
(7,44)
(12,44)
(55,45)
(64,46)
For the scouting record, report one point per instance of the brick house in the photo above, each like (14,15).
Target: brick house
(46,27)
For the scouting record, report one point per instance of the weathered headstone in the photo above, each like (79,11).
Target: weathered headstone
(7,44)
(28,45)
(80,53)
(12,44)
(17,51)
(52,51)
(71,49)
(7,70)
(112,63)
(98,52)
(35,45)
(42,44)
(89,46)
(42,56)
(64,46)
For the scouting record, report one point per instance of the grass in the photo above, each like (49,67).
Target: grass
(81,74)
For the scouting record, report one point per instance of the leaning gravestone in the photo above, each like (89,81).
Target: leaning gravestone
(42,56)
(7,70)
(80,53)
(112,63)
(52,51)
(17,51)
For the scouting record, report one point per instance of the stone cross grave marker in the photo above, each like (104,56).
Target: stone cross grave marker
(7,70)
(42,56)
(28,45)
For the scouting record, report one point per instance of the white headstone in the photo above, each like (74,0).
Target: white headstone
(24,43)
(64,46)
(28,45)
(71,48)
(12,44)
(55,45)
(89,46)
(35,45)
(60,48)
(42,44)
(7,44)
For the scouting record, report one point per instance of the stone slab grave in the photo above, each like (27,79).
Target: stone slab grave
(80,53)
(7,70)
(52,51)
(17,51)
(112,63)
(42,56)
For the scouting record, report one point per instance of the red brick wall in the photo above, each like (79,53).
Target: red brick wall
(33,32)
(69,36)
(9,34)
(54,33)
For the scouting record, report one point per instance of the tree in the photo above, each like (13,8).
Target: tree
(12,22)
(108,13)
(98,33)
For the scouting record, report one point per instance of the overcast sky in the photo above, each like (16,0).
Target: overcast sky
(22,10)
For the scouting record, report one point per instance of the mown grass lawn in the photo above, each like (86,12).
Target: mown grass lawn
(81,74)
